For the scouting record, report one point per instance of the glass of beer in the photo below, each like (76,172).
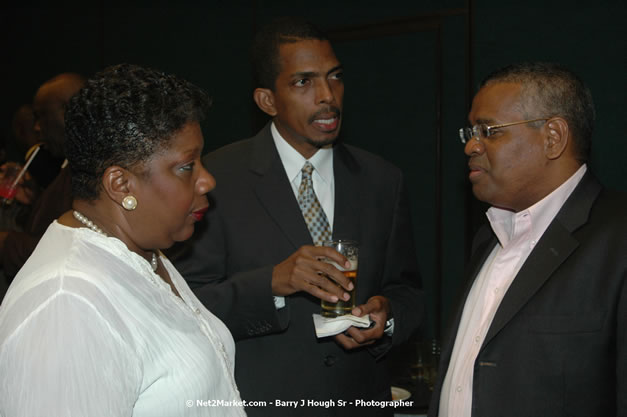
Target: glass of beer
(350,249)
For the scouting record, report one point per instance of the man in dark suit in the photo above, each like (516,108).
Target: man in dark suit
(542,329)
(49,110)
(256,267)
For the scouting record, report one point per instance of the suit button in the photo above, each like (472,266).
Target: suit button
(330,360)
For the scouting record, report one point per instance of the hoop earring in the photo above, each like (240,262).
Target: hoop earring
(129,203)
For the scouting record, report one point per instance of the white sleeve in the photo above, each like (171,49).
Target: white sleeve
(65,359)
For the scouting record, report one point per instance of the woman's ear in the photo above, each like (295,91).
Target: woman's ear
(264,97)
(557,137)
(116,183)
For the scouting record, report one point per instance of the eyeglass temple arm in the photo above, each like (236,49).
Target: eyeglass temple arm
(517,123)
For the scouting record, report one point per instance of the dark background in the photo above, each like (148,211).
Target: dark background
(411,68)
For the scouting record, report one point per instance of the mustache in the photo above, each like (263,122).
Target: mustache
(326,110)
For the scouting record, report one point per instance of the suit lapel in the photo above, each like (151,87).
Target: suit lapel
(555,246)
(275,192)
(485,244)
(553,249)
(346,219)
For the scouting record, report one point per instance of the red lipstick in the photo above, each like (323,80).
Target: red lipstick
(199,214)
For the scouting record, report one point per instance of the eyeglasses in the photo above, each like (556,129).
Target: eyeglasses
(483,131)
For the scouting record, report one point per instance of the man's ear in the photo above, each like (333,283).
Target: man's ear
(264,97)
(557,137)
(116,183)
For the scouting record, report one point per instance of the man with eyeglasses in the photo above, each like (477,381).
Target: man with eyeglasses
(542,329)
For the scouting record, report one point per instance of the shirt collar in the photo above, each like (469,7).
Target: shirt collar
(542,213)
(293,161)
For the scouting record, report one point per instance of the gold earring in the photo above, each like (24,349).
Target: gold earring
(129,203)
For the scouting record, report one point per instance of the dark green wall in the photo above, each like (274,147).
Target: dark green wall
(392,79)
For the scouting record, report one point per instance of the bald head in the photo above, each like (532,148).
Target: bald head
(49,109)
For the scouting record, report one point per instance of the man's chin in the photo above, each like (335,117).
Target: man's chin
(321,143)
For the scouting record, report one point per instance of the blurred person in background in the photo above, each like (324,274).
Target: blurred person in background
(48,110)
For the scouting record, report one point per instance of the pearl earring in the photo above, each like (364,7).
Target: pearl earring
(129,203)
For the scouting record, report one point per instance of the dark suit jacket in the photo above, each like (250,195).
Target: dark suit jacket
(53,202)
(558,343)
(255,224)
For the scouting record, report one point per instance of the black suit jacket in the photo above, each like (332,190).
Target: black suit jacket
(256,223)
(558,343)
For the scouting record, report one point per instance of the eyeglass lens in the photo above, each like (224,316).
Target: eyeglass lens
(478,131)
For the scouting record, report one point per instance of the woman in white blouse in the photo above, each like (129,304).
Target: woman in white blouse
(98,322)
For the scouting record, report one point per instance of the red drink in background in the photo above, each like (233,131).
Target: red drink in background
(7,192)
(9,176)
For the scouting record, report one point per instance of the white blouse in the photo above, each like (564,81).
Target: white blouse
(88,329)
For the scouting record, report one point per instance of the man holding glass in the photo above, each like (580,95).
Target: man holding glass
(542,330)
(259,265)
(49,109)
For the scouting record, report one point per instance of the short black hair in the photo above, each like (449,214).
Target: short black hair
(550,90)
(123,116)
(265,47)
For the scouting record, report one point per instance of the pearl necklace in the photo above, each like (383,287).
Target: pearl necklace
(84,220)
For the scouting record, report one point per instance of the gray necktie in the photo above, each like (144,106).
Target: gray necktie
(313,213)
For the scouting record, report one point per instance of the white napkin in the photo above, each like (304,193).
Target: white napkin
(330,326)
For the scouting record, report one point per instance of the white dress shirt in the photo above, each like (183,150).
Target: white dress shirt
(517,235)
(88,329)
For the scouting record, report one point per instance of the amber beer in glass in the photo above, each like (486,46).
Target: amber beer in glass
(350,249)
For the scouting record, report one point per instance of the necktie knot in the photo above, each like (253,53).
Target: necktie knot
(307,169)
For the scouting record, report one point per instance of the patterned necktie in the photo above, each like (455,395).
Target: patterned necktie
(313,213)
